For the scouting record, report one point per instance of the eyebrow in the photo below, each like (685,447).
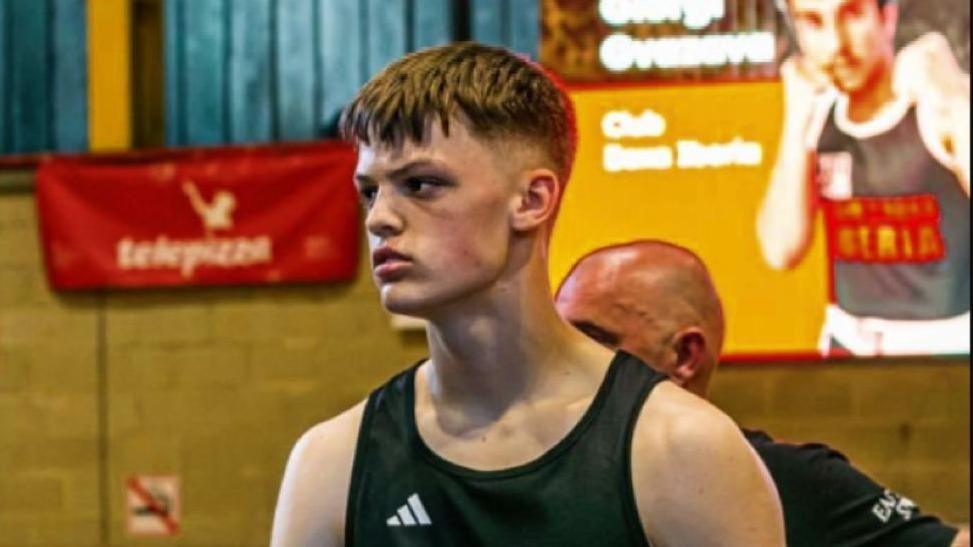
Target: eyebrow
(400,172)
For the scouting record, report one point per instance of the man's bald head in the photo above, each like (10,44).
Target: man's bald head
(651,299)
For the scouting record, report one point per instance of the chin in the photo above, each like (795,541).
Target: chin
(406,308)
(857,81)
(403,306)
(849,86)
(423,302)
(403,301)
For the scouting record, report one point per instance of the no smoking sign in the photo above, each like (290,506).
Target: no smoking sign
(152,505)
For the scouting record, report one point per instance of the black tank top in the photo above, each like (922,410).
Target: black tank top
(899,237)
(578,494)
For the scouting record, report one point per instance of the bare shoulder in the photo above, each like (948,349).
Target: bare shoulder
(689,458)
(313,494)
(674,425)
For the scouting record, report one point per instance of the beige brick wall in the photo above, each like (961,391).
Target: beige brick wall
(905,423)
(214,385)
(48,397)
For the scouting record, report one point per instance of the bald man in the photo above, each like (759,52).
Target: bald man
(657,301)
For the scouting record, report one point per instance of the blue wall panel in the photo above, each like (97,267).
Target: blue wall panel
(235,70)
(70,76)
(204,79)
(387,38)
(524,27)
(258,70)
(342,56)
(43,76)
(30,77)
(487,19)
(296,44)
(432,22)
(510,23)
(174,72)
(250,76)
(4,62)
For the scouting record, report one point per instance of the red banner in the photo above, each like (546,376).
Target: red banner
(259,215)
(889,230)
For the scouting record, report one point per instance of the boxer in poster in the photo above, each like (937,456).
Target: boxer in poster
(878,140)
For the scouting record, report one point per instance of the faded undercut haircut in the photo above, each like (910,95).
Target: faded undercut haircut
(497,93)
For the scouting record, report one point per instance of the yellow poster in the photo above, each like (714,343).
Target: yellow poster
(689,164)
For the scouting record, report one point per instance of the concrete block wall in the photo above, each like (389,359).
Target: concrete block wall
(215,385)
(212,385)
(905,422)
(49,444)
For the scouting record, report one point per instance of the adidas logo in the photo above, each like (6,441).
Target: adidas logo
(410,514)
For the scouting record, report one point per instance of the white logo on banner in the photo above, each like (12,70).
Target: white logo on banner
(186,255)
(694,14)
(621,51)
(216,215)
(685,154)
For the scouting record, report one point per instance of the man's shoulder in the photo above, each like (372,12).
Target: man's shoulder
(825,496)
(338,437)
(798,453)
(688,456)
(674,414)
(677,431)
(324,454)
(312,503)
(811,470)
(324,438)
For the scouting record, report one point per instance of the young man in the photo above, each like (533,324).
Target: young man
(657,302)
(881,143)
(518,430)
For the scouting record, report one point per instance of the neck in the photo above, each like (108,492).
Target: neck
(505,345)
(699,387)
(866,102)
(700,382)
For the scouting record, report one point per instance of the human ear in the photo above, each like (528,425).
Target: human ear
(689,347)
(536,200)
(890,18)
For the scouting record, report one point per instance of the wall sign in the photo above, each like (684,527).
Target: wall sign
(205,217)
(152,505)
(611,40)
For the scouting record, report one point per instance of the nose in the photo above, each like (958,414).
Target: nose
(383,219)
(843,36)
(832,39)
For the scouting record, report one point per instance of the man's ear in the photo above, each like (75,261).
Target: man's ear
(890,18)
(536,200)
(689,347)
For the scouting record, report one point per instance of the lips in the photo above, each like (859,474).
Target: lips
(389,264)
